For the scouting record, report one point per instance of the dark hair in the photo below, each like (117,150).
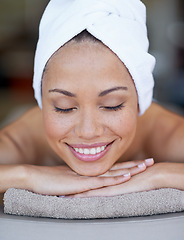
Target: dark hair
(85,36)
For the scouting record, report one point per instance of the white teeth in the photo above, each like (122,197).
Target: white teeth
(90,151)
(86,151)
(76,149)
(98,150)
(102,148)
(81,150)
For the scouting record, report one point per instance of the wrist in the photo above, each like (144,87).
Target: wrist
(18,177)
(21,178)
(12,176)
(170,175)
(160,176)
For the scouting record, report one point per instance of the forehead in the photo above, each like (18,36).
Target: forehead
(87,61)
(86,67)
(80,54)
(84,49)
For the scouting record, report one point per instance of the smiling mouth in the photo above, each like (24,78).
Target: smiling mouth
(91,153)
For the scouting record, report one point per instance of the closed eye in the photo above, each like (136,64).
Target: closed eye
(108,108)
(114,108)
(64,110)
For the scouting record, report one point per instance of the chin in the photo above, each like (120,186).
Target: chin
(90,171)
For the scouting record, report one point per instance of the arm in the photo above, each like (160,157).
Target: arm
(160,175)
(11,176)
(58,180)
(61,180)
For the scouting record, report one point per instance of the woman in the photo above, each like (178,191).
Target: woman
(98,131)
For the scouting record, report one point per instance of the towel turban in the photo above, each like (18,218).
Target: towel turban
(119,24)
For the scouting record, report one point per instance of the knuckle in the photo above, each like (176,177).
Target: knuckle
(117,179)
(105,181)
(98,182)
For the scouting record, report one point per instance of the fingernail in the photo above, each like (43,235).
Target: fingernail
(149,160)
(142,165)
(126,175)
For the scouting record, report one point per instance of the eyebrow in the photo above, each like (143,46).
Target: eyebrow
(112,90)
(103,93)
(66,93)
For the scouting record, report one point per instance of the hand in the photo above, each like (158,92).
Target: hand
(153,177)
(61,180)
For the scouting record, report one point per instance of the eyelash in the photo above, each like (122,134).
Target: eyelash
(115,108)
(68,110)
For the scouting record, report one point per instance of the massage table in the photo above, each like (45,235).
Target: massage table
(164,226)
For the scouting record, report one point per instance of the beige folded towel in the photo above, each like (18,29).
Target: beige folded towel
(22,202)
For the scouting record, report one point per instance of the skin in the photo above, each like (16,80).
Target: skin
(89,122)
(34,152)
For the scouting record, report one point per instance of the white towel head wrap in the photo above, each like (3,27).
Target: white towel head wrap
(119,24)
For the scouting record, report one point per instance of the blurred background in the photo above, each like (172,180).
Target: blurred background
(19,21)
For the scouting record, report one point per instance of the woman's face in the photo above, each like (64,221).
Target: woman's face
(89,107)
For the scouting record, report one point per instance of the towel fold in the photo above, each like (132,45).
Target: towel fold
(22,202)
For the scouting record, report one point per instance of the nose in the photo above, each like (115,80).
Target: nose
(89,126)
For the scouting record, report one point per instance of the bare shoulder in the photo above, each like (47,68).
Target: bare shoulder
(24,140)
(28,123)
(164,134)
(162,120)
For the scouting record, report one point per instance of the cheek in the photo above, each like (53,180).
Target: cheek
(125,124)
(56,127)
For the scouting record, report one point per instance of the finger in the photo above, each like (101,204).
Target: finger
(127,187)
(138,169)
(128,164)
(134,170)
(102,192)
(149,162)
(131,164)
(100,182)
(93,183)
(110,191)
(118,172)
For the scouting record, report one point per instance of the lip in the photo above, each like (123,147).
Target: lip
(90,158)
